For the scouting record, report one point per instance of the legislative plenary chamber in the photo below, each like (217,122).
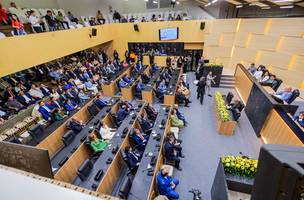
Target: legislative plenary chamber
(152,99)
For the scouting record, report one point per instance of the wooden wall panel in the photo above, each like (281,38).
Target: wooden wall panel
(298,76)
(287,27)
(241,39)
(245,54)
(253,25)
(227,39)
(263,42)
(224,26)
(212,39)
(275,59)
(214,52)
(291,45)
(297,64)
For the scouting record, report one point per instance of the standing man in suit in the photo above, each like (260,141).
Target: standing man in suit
(201,85)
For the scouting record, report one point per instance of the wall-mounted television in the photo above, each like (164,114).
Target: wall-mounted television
(168,34)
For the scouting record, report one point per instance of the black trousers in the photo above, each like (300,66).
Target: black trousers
(37,29)
(66,23)
(101,21)
(200,96)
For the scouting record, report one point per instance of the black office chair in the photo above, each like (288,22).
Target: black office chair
(125,159)
(229,97)
(275,85)
(125,187)
(115,121)
(68,138)
(85,169)
(159,96)
(137,94)
(93,110)
(36,131)
(295,94)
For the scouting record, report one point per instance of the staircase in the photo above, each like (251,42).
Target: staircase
(227,81)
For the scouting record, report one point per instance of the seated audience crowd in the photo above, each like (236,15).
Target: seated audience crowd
(58,20)
(72,81)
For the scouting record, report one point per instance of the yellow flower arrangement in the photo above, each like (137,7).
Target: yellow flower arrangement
(221,107)
(239,165)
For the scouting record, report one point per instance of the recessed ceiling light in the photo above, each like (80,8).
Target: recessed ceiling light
(239,6)
(154,1)
(266,8)
(214,1)
(177,2)
(283,7)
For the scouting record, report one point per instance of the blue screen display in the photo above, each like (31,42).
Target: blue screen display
(168,34)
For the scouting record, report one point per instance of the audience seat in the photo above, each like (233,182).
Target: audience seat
(36,131)
(125,187)
(93,110)
(125,158)
(295,94)
(68,138)
(114,118)
(85,169)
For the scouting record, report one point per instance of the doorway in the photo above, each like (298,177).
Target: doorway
(195,55)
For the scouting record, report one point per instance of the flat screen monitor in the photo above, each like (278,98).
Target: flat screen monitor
(26,158)
(168,34)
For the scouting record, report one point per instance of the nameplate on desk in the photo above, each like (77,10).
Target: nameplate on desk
(61,163)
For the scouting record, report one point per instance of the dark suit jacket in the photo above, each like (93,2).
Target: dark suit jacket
(201,86)
(132,159)
(22,100)
(169,151)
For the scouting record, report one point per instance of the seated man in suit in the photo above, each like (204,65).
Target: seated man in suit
(45,90)
(300,119)
(98,145)
(122,83)
(138,66)
(145,125)
(70,106)
(83,97)
(284,95)
(166,185)
(76,125)
(133,158)
(172,153)
(180,115)
(122,113)
(154,68)
(25,99)
(140,139)
(127,79)
(145,78)
(139,87)
(36,92)
(100,102)
(55,103)
(14,105)
(45,111)
(151,113)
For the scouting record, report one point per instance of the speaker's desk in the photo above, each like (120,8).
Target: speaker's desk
(143,184)
(267,117)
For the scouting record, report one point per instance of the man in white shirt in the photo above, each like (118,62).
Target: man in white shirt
(36,92)
(35,21)
(106,132)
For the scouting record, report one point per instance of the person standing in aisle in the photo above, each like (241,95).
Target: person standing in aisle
(209,81)
(201,85)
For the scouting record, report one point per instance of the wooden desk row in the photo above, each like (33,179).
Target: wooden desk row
(128,92)
(147,93)
(169,99)
(111,88)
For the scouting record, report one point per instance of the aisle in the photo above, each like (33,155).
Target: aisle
(203,146)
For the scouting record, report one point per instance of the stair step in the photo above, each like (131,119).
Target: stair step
(227,76)
(226,86)
(227,83)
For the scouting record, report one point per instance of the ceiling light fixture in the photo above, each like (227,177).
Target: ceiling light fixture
(214,1)
(154,1)
(285,7)
(265,8)
(177,2)
(208,4)
(146,0)
(239,6)
(282,1)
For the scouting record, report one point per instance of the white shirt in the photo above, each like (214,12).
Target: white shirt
(258,75)
(35,21)
(106,133)
(26,98)
(36,93)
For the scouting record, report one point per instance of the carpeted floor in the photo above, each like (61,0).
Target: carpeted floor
(203,146)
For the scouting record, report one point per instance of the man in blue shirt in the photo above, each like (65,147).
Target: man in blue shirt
(166,185)
(100,102)
(140,86)
(122,113)
(285,94)
(122,83)
(127,79)
(45,111)
(138,66)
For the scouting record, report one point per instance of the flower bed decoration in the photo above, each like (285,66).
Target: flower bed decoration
(239,166)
